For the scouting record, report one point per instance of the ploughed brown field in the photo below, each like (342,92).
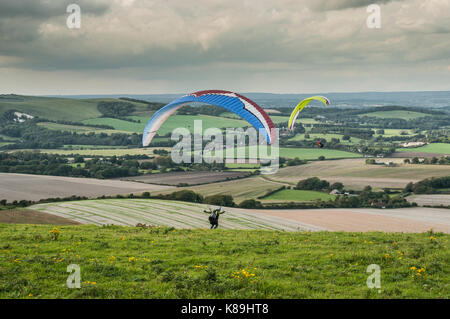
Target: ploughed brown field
(431,199)
(187,178)
(28,216)
(407,220)
(356,174)
(415,154)
(36,187)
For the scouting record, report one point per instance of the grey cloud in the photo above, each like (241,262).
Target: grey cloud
(43,9)
(175,41)
(326,5)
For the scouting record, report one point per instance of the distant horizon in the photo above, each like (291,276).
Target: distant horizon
(244,92)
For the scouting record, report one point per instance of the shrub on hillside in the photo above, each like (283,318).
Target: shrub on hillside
(250,203)
(313,183)
(220,200)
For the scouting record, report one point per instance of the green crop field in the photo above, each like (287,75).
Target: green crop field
(129,262)
(298,195)
(184,121)
(440,148)
(88,147)
(77,128)
(328,137)
(394,132)
(406,115)
(302,153)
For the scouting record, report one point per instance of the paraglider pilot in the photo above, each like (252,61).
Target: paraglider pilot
(214,216)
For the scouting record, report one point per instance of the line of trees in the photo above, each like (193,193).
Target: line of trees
(429,186)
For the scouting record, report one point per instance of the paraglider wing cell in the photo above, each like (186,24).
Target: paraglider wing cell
(233,102)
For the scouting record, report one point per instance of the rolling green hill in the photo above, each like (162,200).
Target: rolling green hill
(54,108)
(50,107)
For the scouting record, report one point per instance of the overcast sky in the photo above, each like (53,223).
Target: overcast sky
(178,46)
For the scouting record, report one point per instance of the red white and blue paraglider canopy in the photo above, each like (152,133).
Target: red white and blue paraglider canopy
(233,102)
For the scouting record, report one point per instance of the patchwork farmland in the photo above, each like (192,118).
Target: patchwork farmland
(183,215)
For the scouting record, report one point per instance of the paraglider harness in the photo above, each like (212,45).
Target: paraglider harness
(214,217)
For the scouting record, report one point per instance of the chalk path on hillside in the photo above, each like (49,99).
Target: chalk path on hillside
(129,212)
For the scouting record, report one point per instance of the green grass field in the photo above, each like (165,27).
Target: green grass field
(5,143)
(394,132)
(77,128)
(328,137)
(185,121)
(128,262)
(440,148)
(298,195)
(280,119)
(302,153)
(406,115)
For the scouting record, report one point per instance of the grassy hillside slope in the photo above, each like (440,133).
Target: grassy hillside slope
(57,108)
(128,262)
